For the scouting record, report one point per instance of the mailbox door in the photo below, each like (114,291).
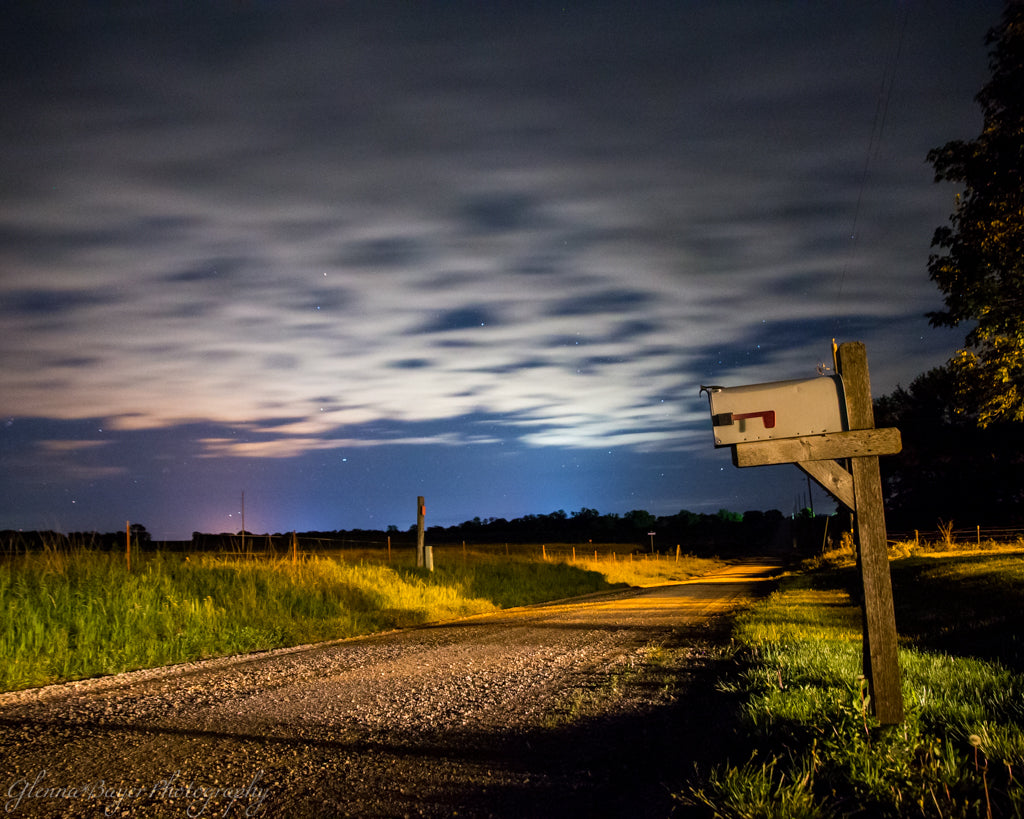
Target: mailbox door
(779,409)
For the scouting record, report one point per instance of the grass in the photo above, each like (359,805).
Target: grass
(810,747)
(640,572)
(71,615)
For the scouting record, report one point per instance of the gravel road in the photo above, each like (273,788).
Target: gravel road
(587,707)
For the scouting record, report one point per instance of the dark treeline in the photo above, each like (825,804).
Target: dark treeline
(690,530)
(723,532)
(950,468)
(14,541)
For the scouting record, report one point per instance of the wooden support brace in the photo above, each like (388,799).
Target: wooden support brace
(854,444)
(833,479)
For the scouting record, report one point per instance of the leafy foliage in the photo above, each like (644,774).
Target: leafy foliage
(981,273)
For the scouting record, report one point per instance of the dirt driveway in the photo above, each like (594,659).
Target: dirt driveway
(589,707)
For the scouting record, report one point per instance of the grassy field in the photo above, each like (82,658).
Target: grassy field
(71,615)
(806,743)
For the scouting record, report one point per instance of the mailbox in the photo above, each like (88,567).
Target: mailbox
(779,409)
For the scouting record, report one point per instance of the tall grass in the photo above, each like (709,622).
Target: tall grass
(81,614)
(813,748)
(70,615)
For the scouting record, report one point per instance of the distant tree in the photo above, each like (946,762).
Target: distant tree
(140,536)
(640,521)
(981,272)
(726,516)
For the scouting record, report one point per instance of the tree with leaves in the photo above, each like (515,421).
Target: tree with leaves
(981,271)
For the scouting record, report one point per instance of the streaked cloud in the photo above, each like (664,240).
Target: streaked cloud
(295,222)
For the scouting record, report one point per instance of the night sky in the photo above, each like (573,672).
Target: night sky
(338,255)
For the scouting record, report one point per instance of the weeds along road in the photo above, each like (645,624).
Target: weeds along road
(588,707)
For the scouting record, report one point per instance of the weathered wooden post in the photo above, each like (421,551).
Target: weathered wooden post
(814,423)
(881,660)
(421,510)
(128,545)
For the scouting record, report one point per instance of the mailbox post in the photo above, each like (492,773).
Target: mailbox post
(813,423)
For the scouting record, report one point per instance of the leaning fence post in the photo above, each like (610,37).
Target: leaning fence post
(421,510)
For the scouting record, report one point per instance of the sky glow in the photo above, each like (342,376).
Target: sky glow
(339,255)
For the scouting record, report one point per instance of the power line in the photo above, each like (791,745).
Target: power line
(874,143)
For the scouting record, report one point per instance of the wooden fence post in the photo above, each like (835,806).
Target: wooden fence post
(881,660)
(128,545)
(421,557)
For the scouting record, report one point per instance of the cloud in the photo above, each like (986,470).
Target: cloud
(344,223)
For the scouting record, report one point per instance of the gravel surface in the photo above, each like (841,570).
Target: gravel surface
(586,707)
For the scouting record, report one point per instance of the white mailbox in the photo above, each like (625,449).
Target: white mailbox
(779,409)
